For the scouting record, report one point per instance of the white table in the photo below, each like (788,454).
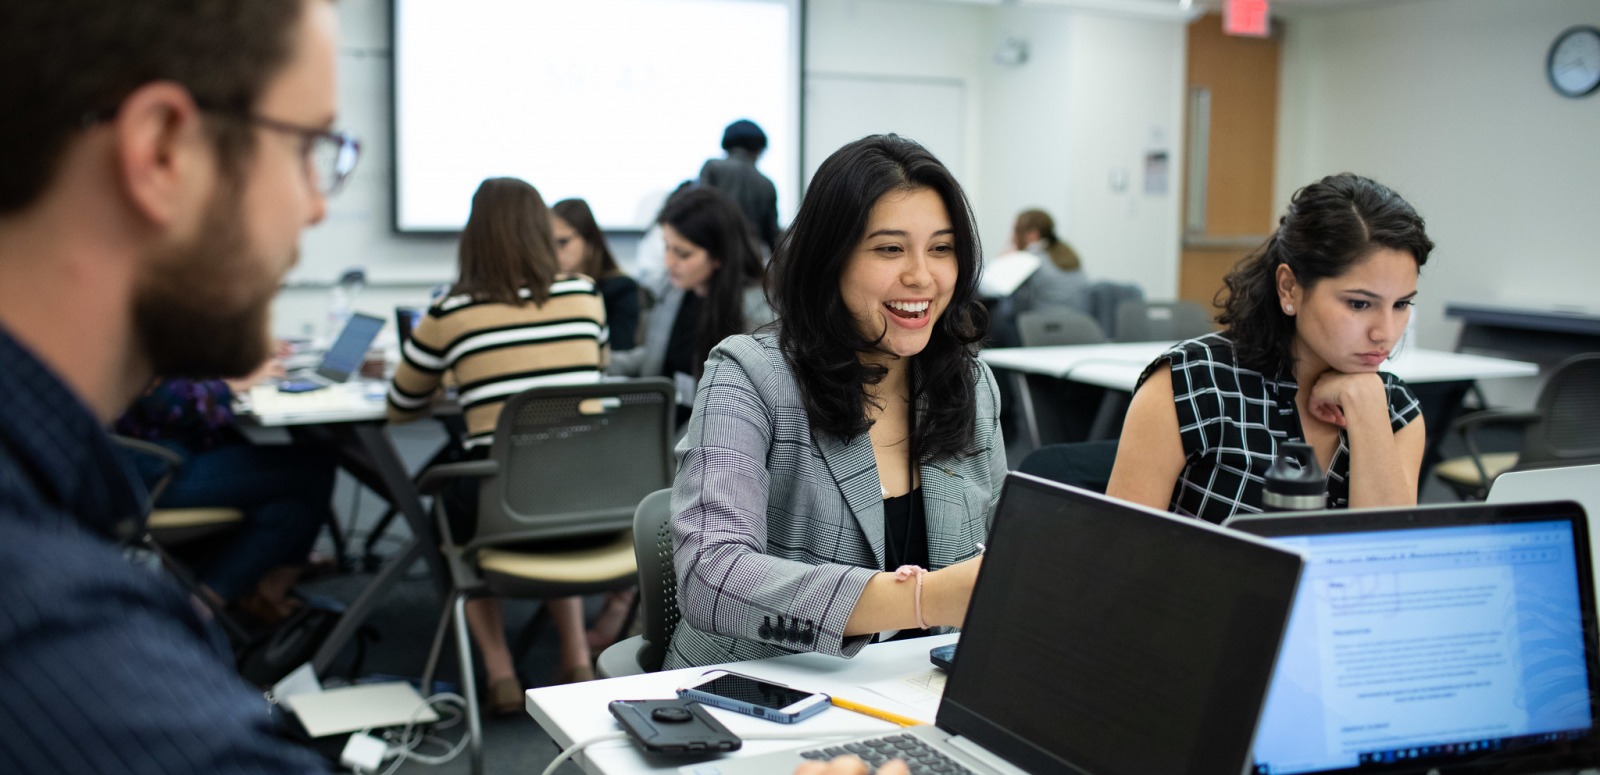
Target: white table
(1117,367)
(574,712)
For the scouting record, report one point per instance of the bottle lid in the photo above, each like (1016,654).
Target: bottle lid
(1295,473)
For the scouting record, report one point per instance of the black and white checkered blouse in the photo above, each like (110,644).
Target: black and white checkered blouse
(1232,419)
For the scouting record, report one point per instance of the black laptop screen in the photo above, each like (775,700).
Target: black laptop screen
(1110,640)
(1450,643)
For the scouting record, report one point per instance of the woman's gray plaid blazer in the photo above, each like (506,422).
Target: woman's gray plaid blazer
(774,526)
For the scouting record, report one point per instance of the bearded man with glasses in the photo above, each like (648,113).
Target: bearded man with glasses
(161,158)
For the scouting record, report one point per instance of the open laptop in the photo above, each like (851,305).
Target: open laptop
(406,318)
(1450,639)
(1102,639)
(342,359)
(1573,483)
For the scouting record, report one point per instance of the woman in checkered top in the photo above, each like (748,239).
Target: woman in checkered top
(1309,318)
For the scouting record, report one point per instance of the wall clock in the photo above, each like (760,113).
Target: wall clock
(1574,61)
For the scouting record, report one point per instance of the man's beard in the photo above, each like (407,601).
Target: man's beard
(190,317)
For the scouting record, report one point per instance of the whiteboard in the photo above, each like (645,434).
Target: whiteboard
(843,107)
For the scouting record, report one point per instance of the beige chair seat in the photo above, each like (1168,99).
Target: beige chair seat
(611,560)
(1462,471)
(176,526)
(166,519)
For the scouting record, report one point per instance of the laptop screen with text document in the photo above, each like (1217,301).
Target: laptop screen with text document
(1454,639)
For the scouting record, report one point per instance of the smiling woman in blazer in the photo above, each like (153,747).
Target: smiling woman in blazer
(832,460)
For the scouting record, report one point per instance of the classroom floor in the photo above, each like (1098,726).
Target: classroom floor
(402,625)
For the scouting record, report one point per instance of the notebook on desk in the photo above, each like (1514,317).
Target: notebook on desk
(1454,639)
(1102,638)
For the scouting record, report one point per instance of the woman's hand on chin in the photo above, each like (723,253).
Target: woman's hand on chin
(1336,395)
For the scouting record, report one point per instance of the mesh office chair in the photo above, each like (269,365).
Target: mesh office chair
(1050,326)
(567,462)
(1160,321)
(1563,429)
(658,592)
(1042,397)
(174,527)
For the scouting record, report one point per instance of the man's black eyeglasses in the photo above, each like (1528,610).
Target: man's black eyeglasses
(330,156)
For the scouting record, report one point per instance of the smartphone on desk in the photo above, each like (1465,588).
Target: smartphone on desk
(755,697)
(673,727)
(299,385)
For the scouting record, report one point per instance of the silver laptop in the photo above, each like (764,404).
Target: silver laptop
(1569,483)
(1102,638)
(1449,639)
(344,358)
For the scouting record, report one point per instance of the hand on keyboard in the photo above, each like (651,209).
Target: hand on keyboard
(850,765)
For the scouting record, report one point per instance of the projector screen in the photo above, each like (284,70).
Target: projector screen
(615,101)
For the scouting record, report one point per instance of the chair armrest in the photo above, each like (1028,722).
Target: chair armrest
(170,463)
(435,476)
(167,456)
(1472,421)
(1467,427)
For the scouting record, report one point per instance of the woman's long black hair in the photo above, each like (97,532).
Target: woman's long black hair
(712,221)
(817,332)
(1330,225)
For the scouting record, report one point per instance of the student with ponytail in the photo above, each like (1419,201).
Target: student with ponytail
(1309,319)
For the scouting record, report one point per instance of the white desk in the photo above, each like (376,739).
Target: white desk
(1117,367)
(360,400)
(574,712)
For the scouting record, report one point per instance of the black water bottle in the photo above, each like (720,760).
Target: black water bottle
(1295,481)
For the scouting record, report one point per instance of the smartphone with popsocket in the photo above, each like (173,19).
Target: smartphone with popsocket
(673,727)
(755,697)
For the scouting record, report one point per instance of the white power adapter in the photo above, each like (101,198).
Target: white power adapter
(363,753)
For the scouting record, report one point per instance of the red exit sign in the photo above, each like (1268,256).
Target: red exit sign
(1245,17)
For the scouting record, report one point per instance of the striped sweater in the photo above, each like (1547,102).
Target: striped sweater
(494,351)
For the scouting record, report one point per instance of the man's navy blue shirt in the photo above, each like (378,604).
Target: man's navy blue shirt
(104,666)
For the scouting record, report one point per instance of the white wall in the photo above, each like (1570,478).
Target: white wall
(1447,102)
(1100,89)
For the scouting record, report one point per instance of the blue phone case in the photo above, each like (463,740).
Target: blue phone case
(750,709)
(298,386)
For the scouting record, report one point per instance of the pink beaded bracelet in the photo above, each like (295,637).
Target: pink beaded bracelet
(906,572)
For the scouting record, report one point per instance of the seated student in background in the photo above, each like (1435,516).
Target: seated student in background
(715,270)
(1060,280)
(832,459)
(1310,318)
(493,334)
(581,249)
(284,490)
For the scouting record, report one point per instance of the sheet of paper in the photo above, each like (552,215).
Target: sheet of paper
(1003,274)
(919,692)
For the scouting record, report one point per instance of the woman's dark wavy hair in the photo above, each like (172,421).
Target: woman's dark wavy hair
(817,332)
(710,220)
(1331,225)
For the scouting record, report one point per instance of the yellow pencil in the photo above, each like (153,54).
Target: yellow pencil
(867,710)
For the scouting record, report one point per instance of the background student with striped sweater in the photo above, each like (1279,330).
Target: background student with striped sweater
(511,322)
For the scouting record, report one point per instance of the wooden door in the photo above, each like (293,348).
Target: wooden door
(1231,137)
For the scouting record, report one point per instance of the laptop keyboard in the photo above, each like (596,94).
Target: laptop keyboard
(912,750)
